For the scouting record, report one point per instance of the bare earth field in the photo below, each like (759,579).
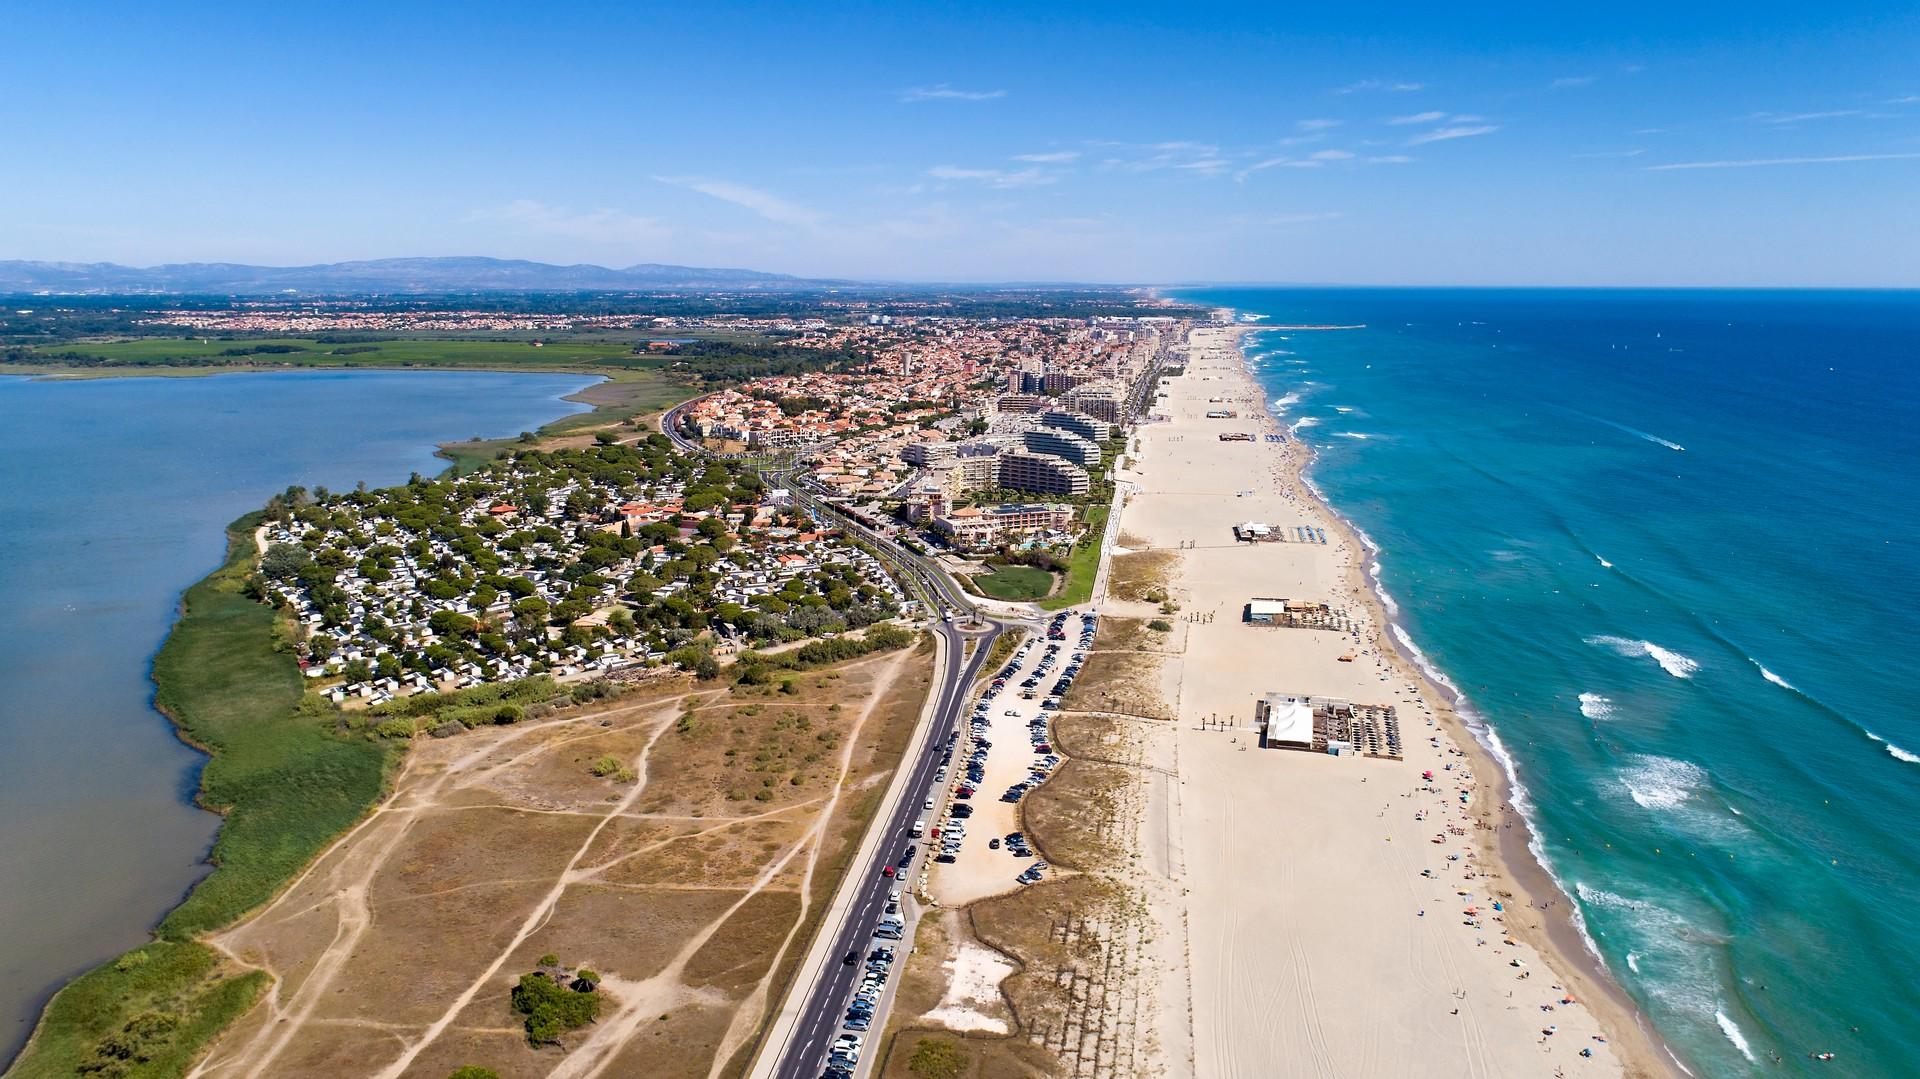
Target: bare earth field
(690,887)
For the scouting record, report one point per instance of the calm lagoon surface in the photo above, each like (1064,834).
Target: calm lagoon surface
(114,496)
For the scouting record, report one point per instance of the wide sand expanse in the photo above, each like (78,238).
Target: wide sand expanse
(1339,910)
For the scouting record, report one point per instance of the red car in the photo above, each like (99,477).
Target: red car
(886,871)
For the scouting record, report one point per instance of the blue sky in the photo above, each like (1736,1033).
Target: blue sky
(1680,143)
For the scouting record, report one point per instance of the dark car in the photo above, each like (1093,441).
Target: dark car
(854,957)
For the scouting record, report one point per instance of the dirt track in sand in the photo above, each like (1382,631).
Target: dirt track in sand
(689,887)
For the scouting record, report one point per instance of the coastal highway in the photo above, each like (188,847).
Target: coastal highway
(820,1004)
(809,1020)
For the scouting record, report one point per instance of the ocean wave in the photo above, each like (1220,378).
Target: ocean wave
(1670,661)
(1662,782)
(1772,677)
(1343,409)
(1896,751)
(1386,598)
(1594,706)
(1304,421)
(1355,435)
(1671,954)
(1732,1031)
(1279,405)
(1604,564)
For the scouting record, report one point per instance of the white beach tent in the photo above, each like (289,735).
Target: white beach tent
(1289,721)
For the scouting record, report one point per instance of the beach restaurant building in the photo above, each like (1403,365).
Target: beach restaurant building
(1285,721)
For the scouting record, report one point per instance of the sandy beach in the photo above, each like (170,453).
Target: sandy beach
(1340,912)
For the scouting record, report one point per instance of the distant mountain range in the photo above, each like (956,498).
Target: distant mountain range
(405,275)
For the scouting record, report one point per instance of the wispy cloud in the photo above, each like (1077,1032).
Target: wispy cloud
(943,92)
(1765,162)
(1905,99)
(539,218)
(1610,153)
(1802,117)
(1317,125)
(1056,157)
(1330,155)
(772,207)
(1417,118)
(1390,159)
(1003,178)
(1571,81)
(1380,84)
(1442,134)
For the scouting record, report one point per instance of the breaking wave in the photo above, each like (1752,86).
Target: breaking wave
(1732,1031)
(1594,706)
(1662,782)
(1896,751)
(1772,677)
(1356,435)
(1604,563)
(1670,661)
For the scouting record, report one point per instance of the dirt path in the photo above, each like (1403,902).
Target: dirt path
(352,863)
(327,934)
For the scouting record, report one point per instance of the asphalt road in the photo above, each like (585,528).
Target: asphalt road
(825,1001)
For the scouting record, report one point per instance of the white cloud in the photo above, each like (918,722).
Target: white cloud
(1377,84)
(1442,134)
(772,207)
(1417,118)
(1056,157)
(539,218)
(1799,117)
(1908,99)
(1767,161)
(1572,81)
(1611,153)
(943,92)
(1317,125)
(1331,155)
(1389,159)
(992,177)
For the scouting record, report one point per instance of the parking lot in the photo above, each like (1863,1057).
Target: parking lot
(965,843)
(1004,752)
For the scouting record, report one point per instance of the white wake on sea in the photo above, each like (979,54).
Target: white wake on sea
(1670,661)
(1355,435)
(1604,564)
(1594,706)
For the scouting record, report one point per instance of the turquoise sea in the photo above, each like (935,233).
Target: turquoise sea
(1667,543)
(114,494)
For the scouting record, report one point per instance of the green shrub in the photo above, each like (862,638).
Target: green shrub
(552,1009)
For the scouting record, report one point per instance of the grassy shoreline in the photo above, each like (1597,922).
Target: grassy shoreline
(284,783)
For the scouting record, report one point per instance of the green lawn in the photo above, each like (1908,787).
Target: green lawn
(1083,564)
(1017,583)
(287,786)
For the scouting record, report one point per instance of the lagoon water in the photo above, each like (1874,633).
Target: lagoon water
(113,498)
(1668,544)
